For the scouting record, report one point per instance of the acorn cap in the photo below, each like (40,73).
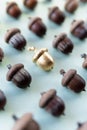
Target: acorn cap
(68,76)
(74,5)
(10,33)
(39,53)
(83,126)
(1,54)
(76,24)
(46,96)
(58,39)
(52,10)
(10,4)
(13,70)
(33,20)
(25,122)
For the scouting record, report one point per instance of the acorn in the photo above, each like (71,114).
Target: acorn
(1,54)
(56,15)
(37,26)
(30,4)
(13,9)
(79,29)
(3,100)
(73,81)
(42,58)
(71,5)
(14,37)
(26,122)
(83,1)
(84,65)
(18,75)
(52,103)
(82,126)
(63,43)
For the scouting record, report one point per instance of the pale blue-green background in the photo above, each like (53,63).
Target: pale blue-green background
(21,101)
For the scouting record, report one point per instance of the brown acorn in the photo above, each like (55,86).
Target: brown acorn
(26,122)
(56,15)
(63,43)
(30,4)
(13,10)
(73,81)
(82,126)
(83,1)
(1,54)
(71,5)
(2,100)
(84,65)
(18,75)
(52,103)
(79,29)
(37,26)
(14,37)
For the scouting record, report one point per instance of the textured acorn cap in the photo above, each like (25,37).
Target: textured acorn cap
(75,24)
(82,126)
(33,20)
(52,10)
(39,53)
(46,96)
(58,39)
(13,70)
(85,60)
(68,76)
(10,33)
(74,6)
(25,123)
(10,4)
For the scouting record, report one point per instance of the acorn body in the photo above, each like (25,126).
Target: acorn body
(30,4)
(37,26)
(15,39)
(56,15)
(52,103)
(71,5)
(82,126)
(43,59)
(13,9)
(26,122)
(19,76)
(2,100)
(79,29)
(1,54)
(63,43)
(73,81)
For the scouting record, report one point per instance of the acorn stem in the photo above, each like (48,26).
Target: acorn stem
(43,93)
(84,55)
(79,124)
(15,117)
(9,66)
(62,72)
(31,48)
(84,90)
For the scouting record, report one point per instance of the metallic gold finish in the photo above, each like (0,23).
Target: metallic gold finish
(42,58)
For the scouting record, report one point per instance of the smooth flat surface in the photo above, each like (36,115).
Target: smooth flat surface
(21,101)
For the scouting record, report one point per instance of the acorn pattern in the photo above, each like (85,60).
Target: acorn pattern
(25,122)
(18,75)
(14,37)
(52,103)
(72,80)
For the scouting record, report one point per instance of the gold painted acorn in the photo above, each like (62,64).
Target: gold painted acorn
(42,58)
